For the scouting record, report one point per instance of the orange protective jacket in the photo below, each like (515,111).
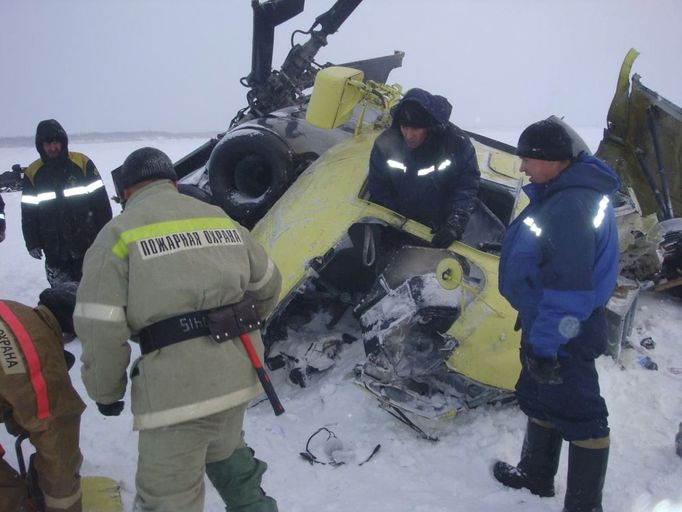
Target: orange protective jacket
(36,394)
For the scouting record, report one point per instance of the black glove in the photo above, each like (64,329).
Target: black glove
(111,409)
(69,359)
(541,370)
(452,230)
(445,236)
(36,253)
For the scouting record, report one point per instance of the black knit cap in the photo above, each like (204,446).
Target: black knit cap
(61,301)
(146,164)
(545,140)
(412,114)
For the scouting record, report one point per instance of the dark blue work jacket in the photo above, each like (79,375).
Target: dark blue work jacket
(559,258)
(432,181)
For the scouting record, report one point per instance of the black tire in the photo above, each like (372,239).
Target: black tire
(195,192)
(248,170)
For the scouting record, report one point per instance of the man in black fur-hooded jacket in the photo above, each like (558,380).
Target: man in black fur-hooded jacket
(64,204)
(425,167)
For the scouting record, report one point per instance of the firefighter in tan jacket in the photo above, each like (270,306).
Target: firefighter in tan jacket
(154,273)
(36,397)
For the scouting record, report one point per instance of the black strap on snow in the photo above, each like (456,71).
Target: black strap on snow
(374,451)
(310,457)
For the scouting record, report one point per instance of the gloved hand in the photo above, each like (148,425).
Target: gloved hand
(452,230)
(111,409)
(541,370)
(36,253)
(2,235)
(445,236)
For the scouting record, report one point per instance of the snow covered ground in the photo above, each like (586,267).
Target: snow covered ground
(407,474)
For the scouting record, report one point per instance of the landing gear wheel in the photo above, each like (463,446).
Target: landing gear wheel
(248,170)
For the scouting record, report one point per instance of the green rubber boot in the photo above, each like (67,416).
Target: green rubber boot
(238,481)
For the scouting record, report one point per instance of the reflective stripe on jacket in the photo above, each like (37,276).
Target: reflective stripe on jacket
(34,381)
(12,355)
(428,183)
(64,204)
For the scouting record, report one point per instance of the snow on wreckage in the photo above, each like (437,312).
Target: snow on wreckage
(438,337)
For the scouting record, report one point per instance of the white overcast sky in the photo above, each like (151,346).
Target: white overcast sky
(174,65)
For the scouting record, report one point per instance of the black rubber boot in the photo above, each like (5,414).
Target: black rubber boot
(237,479)
(586,475)
(538,465)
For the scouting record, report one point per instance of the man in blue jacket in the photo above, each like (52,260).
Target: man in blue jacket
(558,268)
(425,167)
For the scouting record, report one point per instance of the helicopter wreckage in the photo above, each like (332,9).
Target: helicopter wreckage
(438,338)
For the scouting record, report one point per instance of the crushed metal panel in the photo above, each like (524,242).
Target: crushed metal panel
(638,120)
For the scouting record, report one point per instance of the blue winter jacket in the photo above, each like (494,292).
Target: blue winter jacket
(430,182)
(560,255)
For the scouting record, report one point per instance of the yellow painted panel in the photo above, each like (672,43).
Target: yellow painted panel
(100,494)
(324,202)
(334,97)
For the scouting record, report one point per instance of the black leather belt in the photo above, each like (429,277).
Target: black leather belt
(174,330)
(220,324)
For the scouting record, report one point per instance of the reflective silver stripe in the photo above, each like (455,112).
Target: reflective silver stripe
(95,185)
(75,191)
(530,222)
(444,164)
(195,410)
(426,170)
(2,215)
(45,196)
(62,503)
(264,280)
(103,312)
(85,189)
(440,167)
(598,219)
(394,164)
